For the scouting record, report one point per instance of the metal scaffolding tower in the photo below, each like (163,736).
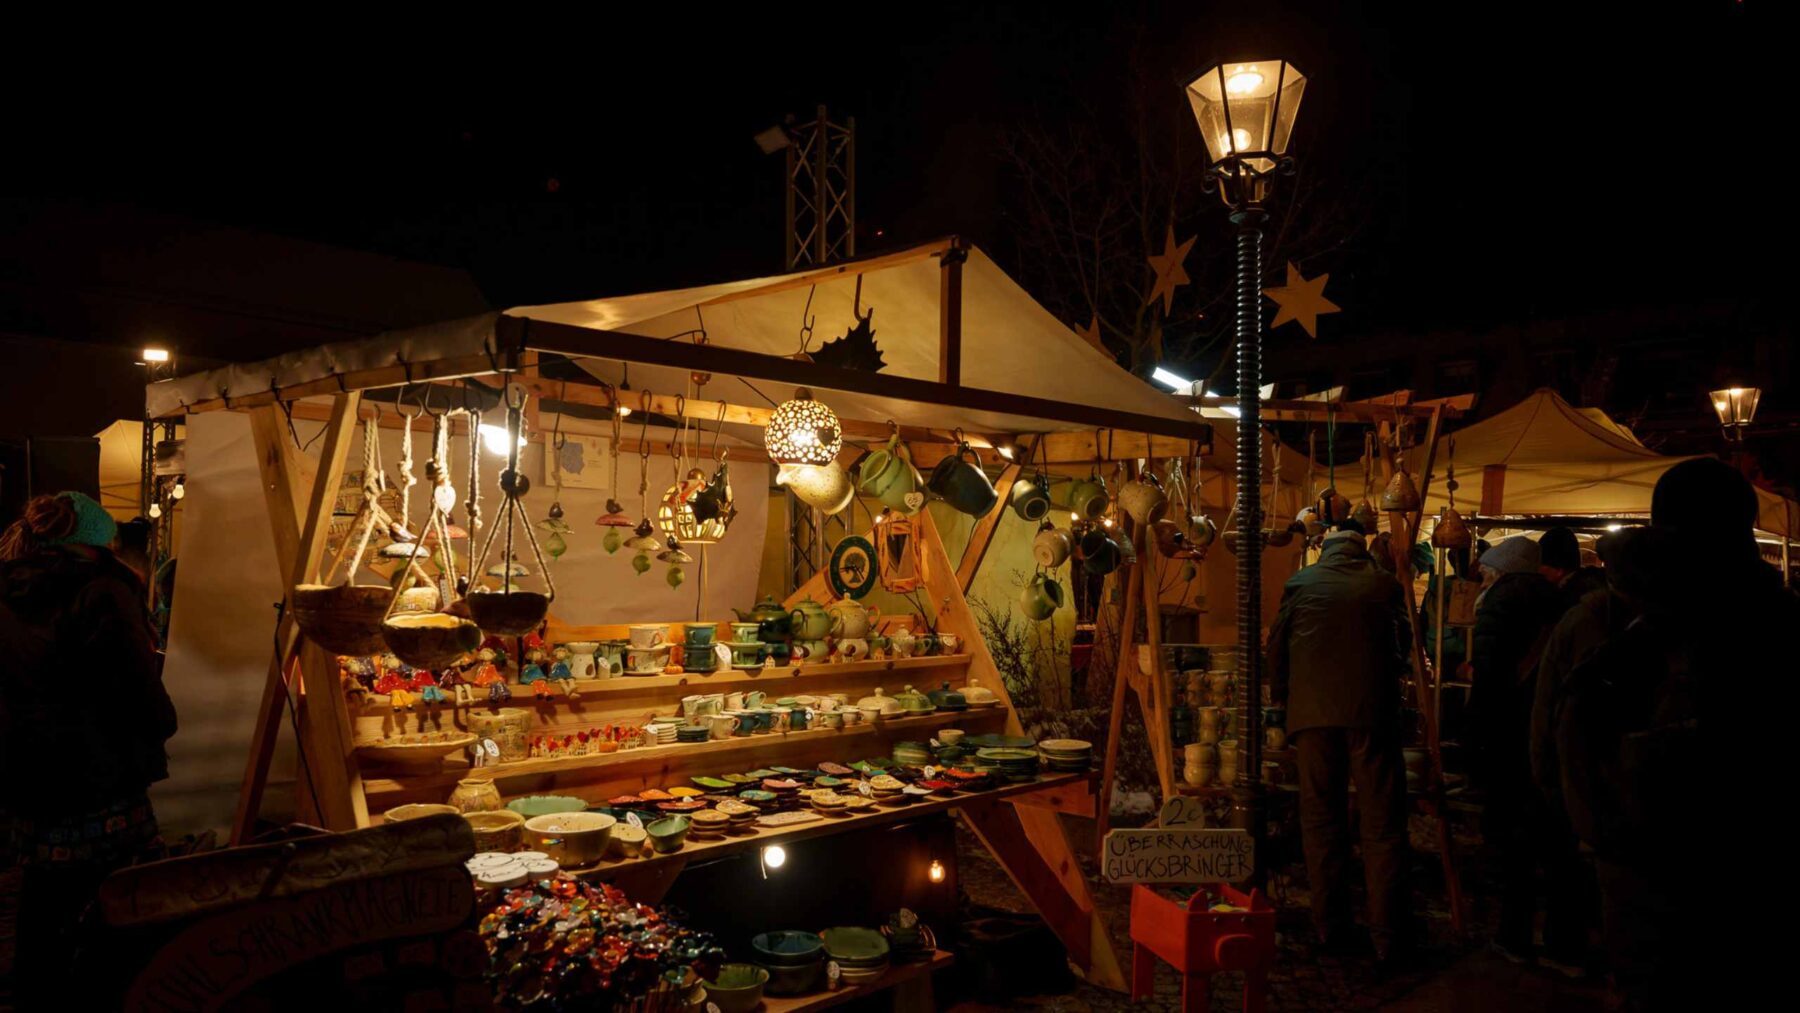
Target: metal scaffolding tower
(821,191)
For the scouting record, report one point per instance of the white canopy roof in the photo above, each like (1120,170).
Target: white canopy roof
(1010,343)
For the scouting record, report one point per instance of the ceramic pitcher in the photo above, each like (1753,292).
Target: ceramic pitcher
(962,485)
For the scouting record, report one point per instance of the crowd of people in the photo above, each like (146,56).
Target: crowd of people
(1596,729)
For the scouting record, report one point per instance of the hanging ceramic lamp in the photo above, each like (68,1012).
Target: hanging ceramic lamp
(803,431)
(1333,506)
(1451,531)
(1365,515)
(676,516)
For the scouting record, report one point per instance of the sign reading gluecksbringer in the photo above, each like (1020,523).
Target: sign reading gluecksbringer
(1174,855)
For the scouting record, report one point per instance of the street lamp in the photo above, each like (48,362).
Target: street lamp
(1736,407)
(1246,110)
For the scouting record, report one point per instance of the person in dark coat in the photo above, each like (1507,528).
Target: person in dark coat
(1655,729)
(83,722)
(1561,565)
(1337,652)
(1513,618)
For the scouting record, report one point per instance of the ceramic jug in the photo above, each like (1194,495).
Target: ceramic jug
(1143,499)
(475,795)
(1041,597)
(1087,498)
(962,485)
(892,479)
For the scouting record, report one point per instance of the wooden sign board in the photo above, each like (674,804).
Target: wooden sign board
(1184,855)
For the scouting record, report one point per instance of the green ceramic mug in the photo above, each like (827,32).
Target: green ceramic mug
(1087,498)
(1030,498)
(1041,597)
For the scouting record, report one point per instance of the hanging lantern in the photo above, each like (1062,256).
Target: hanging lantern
(1401,494)
(900,552)
(803,431)
(676,517)
(1451,532)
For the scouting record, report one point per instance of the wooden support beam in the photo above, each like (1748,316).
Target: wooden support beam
(950,305)
(1341,411)
(581,342)
(982,535)
(1121,676)
(1075,799)
(1155,705)
(945,595)
(1120,445)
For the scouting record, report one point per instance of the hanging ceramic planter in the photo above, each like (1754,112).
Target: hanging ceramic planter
(512,611)
(434,640)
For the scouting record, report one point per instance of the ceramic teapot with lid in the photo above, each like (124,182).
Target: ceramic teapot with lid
(772,620)
(809,621)
(849,619)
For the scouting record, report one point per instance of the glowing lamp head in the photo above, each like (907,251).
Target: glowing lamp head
(493,438)
(936,871)
(803,431)
(1736,408)
(156,355)
(1246,112)
(774,856)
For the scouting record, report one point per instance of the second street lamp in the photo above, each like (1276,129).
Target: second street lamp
(1246,112)
(1736,408)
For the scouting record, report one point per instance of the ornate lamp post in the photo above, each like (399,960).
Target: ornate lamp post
(1736,408)
(1246,113)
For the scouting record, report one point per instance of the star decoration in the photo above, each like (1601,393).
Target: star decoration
(1091,334)
(1301,300)
(1169,272)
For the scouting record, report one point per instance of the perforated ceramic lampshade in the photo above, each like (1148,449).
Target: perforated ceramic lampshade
(804,431)
(1246,109)
(1736,407)
(675,516)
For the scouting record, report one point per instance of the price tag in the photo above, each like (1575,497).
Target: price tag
(632,818)
(930,772)
(490,747)
(833,973)
(867,792)
(444,497)
(935,744)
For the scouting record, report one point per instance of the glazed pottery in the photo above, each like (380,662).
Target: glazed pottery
(891,478)
(418,810)
(809,621)
(744,631)
(507,727)
(429,640)
(1030,498)
(824,486)
(849,619)
(646,662)
(574,839)
(902,642)
(700,635)
(582,662)
(345,619)
(1087,498)
(828,719)
(668,834)
(547,805)
(646,637)
(738,987)
(475,795)
(1143,499)
(962,485)
(723,726)
(948,642)
(1041,597)
(496,831)
(853,649)
(1051,547)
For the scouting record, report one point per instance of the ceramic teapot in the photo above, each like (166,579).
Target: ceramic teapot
(849,619)
(809,621)
(773,622)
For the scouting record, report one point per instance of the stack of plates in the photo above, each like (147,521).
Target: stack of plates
(861,954)
(661,735)
(706,824)
(1012,764)
(998,741)
(691,733)
(1067,754)
(741,814)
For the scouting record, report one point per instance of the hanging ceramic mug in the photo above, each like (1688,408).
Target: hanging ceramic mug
(1087,498)
(1041,597)
(962,484)
(1099,553)
(892,479)
(1051,547)
(1030,498)
(1143,499)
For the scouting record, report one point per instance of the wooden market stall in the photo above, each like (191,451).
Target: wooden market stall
(1021,383)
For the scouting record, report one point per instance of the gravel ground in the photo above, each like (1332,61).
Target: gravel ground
(1448,973)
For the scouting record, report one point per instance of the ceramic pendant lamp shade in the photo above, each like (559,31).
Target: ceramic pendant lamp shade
(1451,532)
(803,431)
(1400,494)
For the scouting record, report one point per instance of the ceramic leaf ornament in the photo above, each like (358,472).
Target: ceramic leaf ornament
(1301,300)
(855,350)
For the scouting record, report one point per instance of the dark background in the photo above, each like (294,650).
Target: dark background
(1589,183)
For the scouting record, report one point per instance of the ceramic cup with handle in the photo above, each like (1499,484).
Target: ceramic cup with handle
(723,726)
(1051,547)
(646,637)
(1030,498)
(962,485)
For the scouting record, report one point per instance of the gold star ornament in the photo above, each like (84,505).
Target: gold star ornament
(1169,272)
(1091,334)
(1301,300)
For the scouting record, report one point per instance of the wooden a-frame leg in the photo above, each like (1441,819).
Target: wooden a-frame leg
(1115,721)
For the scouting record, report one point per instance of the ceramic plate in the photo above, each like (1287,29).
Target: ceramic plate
(1004,754)
(1065,746)
(788,819)
(715,783)
(999,741)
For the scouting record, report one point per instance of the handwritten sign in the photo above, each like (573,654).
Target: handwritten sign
(1181,811)
(1159,855)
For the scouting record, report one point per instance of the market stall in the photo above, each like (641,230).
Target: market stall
(674,715)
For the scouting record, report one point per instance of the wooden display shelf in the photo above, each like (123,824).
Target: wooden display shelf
(378,786)
(628,685)
(824,826)
(895,975)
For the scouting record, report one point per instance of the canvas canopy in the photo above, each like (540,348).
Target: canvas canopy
(1010,343)
(1546,457)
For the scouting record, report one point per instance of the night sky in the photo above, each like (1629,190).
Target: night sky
(1509,164)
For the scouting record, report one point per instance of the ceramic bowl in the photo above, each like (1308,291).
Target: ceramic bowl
(417,810)
(738,988)
(496,831)
(787,947)
(949,736)
(795,979)
(573,839)
(547,805)
(627,841)
(667,835)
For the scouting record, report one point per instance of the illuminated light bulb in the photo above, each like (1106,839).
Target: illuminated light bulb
(155,510)
(179,491)
(1243,82)
(156,355)
(1006,452)
(936,872)
(1108,522)
(624,412)
(774,856)
(1239,141)
(1615,527)
(1073,517)
(493,437)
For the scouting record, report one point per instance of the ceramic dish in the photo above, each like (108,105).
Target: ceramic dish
(755,795)
(418,810)
(1065,746)
(497,831)
(713,783)
(854,945)
(547,805)
(857,803)
(627,841)
(574,839)
(683,806)
(999,741)
(735,807)
(668,834)
(423,749)
(835,769)
(685,792)
(787,819)
(738,988)
(655,795)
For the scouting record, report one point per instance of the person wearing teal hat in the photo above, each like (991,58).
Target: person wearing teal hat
(76,758)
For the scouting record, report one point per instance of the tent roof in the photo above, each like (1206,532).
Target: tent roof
(1010,342)
(1544,456)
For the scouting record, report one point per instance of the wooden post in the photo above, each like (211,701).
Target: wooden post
(1155,703)
(1116,717)
(983,534)
(950,314)
(954,615)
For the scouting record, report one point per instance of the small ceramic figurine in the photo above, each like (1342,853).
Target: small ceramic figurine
(562,677)
(355,693)
(426,687)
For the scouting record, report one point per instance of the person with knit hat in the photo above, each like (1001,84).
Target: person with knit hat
(1513,618)
(83,723)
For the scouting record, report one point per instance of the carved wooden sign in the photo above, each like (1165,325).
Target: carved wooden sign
(218,957)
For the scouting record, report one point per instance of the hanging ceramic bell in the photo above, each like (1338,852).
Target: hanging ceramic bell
(1365,515)
(675,554)
(1333,506)
(513,569)
(1451,532)
(1202,531)
(1401,494)
(643,538)
(614,521)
